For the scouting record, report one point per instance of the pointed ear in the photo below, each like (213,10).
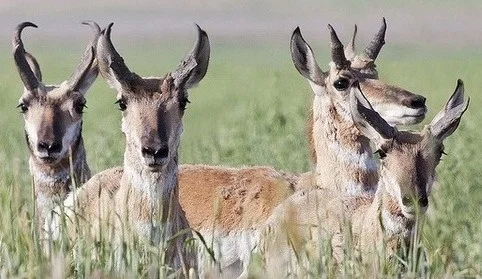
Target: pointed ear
(111,65)
(87,70)
(448,119)
(194,66)
(85,73)
(304,59)
(367,120)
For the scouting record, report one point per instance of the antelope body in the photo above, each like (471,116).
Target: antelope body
(342,156)
(53,124)
(387,219)
(142,196)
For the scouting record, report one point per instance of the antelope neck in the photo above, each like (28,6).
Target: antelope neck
(343,156)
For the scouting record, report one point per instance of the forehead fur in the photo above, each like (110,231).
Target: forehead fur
(52,95)
(363,64)
(408,146)
(160,90)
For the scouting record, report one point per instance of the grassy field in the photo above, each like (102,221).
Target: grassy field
(250,109)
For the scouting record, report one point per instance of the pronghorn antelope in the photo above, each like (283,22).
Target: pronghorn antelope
(390,217)
(142,196)
(342,156)
(53,124)
(234,202)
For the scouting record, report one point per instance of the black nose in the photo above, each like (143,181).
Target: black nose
(415,102)
(423,202)
(159,152)
(406,201)
(49,147)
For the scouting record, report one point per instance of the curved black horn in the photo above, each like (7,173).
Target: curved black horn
(28,77)
(337,52)
(78,78)
(350,48)
(373,49)
(111,64)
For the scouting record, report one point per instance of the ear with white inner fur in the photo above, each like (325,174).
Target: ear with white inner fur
(87,70)
(112,66)
(447,120)
(195,65)
(367,120)
(304,59)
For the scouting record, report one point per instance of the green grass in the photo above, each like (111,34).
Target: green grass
(250,109)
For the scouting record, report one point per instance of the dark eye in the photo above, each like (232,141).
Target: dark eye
(341,84)
(79,108)
(23,107)
(381,153)
(122,104)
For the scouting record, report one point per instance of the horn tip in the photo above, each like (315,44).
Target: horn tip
(200,30)
(330,28)
(297,31)
(93,25)
(107,30)
(26,24)
(460,82)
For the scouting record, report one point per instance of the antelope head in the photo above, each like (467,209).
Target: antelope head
(396,105)
(409,159)
(53,113)
(152,108)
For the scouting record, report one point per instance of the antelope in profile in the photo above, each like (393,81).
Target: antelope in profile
(391,216)
(142,196)
(229,205)
(53,124)
(342,155)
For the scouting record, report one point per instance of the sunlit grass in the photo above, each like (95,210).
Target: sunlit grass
(250,109)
